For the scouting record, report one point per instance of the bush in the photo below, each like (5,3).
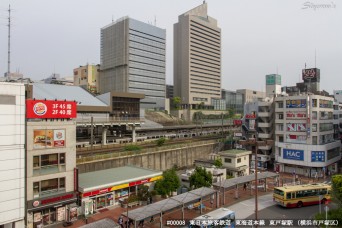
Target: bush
(334,214)
(161,141)
(132,148)
(132,198)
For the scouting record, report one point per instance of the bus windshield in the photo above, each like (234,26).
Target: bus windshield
(278,192)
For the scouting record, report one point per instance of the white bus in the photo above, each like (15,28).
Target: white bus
(222,217)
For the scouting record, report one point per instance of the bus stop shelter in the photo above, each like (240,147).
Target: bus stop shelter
(166,205)
(235,182)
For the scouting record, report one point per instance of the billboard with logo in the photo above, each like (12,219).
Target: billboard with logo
(50,109)
(293,154)
(311,75)
(48,138)
(296,139)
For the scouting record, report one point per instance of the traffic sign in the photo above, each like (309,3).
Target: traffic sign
(326,208)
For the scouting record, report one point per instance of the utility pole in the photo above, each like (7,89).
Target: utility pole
(9,42)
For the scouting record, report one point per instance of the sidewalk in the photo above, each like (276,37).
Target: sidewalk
(243,205)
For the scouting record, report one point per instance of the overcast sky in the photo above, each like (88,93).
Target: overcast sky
(258,37)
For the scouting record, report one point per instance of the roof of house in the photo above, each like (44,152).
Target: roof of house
(235,152)
(111,177)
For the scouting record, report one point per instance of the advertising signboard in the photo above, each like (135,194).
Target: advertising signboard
(300,103)
(50,109)
(311,75)
(295,115)
(293,154)
(317,156)
(48,138)
(237,122)
(296,127)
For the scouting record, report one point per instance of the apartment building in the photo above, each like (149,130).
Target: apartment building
(133,60)
(87,77)
(12,150)
(306,135)
(197,57)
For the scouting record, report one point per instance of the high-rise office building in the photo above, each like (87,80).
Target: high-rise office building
(197,57)
(133,60)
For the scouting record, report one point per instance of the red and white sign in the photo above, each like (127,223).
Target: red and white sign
(139,182)
(295,115)
(35,203)
(250,116)
(237,122)
(49,109)
(58,138)
(296,127)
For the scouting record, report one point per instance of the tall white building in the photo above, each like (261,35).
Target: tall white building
(197,57)
(12,159)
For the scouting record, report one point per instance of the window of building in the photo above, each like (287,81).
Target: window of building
(280,105)
(228,160)
(239,160)
(314,115)
(48,163)
(281,116)
(314,102)
(48,187)
(281,138)
(314,127)
(314,140)
(279,152)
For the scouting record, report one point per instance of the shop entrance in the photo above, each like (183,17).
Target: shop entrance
(103,201)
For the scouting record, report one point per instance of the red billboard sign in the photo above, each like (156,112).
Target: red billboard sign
(50,109)
(237,122)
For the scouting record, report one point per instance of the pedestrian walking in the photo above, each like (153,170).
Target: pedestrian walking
(120,221)
(141,223)
(152,219)
(244,186)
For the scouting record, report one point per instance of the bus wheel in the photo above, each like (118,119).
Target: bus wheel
(323,201)
(299,204)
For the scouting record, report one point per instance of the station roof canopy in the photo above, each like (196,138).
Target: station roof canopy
(169,204)
(110,177)
(85,100)
(230,183)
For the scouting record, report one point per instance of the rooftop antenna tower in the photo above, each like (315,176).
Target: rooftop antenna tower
(9,41)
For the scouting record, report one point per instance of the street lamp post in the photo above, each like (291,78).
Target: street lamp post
(256,144)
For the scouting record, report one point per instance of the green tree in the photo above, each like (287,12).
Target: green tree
(168,184)
(161,141)
(337,189)
(143,192)
(176,102)
(218,163)
(201,178)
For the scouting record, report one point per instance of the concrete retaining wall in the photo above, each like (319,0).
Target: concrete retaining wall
(160,160)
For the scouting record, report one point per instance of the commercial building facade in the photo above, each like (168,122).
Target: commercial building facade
(12,150)
(105,188)
(234,100)
(307,135)
(197,57)
(51,177)
(133,60)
